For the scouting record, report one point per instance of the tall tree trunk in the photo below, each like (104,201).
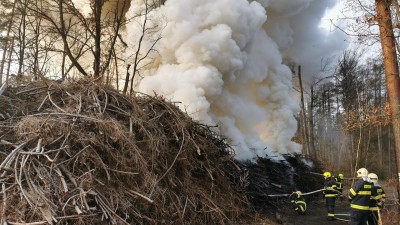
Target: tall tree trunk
(5,44)
(391,72)
(390,151)
(303,117)
(380,147)
(127,77)
(63,73)
(22,35)
(311,124)
(97,38)
(116,71)
(10,59)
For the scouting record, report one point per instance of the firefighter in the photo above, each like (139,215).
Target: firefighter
(377,200)
(330,194)
(359,197)
(339,183)
(298,202)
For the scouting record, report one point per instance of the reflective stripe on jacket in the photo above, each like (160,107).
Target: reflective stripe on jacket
(330,186)
(378,197)
(300,205)
(299,202)
(339,183)
(359,195)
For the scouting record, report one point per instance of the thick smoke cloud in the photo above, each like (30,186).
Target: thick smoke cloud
(83,6)
(299,36)
(222,59)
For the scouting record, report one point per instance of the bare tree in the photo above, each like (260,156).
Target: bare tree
(140,55)
(391,71)
(85,38)
(303,115)
(5,44)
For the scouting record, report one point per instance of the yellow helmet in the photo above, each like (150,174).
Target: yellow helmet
(340,175)
(327,175)
(372,177)
(362,172)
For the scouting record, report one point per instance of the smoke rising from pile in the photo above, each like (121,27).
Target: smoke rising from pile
(222,59)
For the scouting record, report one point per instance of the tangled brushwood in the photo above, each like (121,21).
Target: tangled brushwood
(82,153)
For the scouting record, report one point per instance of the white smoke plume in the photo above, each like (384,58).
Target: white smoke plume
(83,6)
(308,44)
(222,59)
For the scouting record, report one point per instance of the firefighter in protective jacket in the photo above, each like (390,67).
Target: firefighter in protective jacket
(298,202)
(339,183)
(359,197)
(377,200)
(330,194)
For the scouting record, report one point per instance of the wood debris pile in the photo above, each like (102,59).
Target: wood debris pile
(270,177)
(82,153)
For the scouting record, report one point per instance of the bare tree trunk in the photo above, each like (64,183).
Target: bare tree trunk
(97,38)
(63,33)
(311,125)
(22,35)
(303,117)
(5,45)
(10,59)
(367,144)
(37,28)
(390,151)
(116,71)
(118,19)
(391,72)
(127,77)
(63,73)
(380,146)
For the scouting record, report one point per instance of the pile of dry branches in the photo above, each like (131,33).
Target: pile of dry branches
(268,176)
(82,153)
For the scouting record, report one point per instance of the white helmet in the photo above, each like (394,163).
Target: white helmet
(362,172)
(373,178)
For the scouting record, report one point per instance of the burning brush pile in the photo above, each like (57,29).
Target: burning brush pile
(82,153)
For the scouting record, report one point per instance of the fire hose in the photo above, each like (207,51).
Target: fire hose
(344,178)
(313,192)
(308,193)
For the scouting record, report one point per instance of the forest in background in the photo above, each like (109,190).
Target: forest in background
(347,118)
(347,115)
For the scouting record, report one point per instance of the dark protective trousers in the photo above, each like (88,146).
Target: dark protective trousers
(359,217)
(373,218)
(330,206)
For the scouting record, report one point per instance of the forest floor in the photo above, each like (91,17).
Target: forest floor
(317,214)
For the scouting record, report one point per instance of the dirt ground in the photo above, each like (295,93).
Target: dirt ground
(316,214)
